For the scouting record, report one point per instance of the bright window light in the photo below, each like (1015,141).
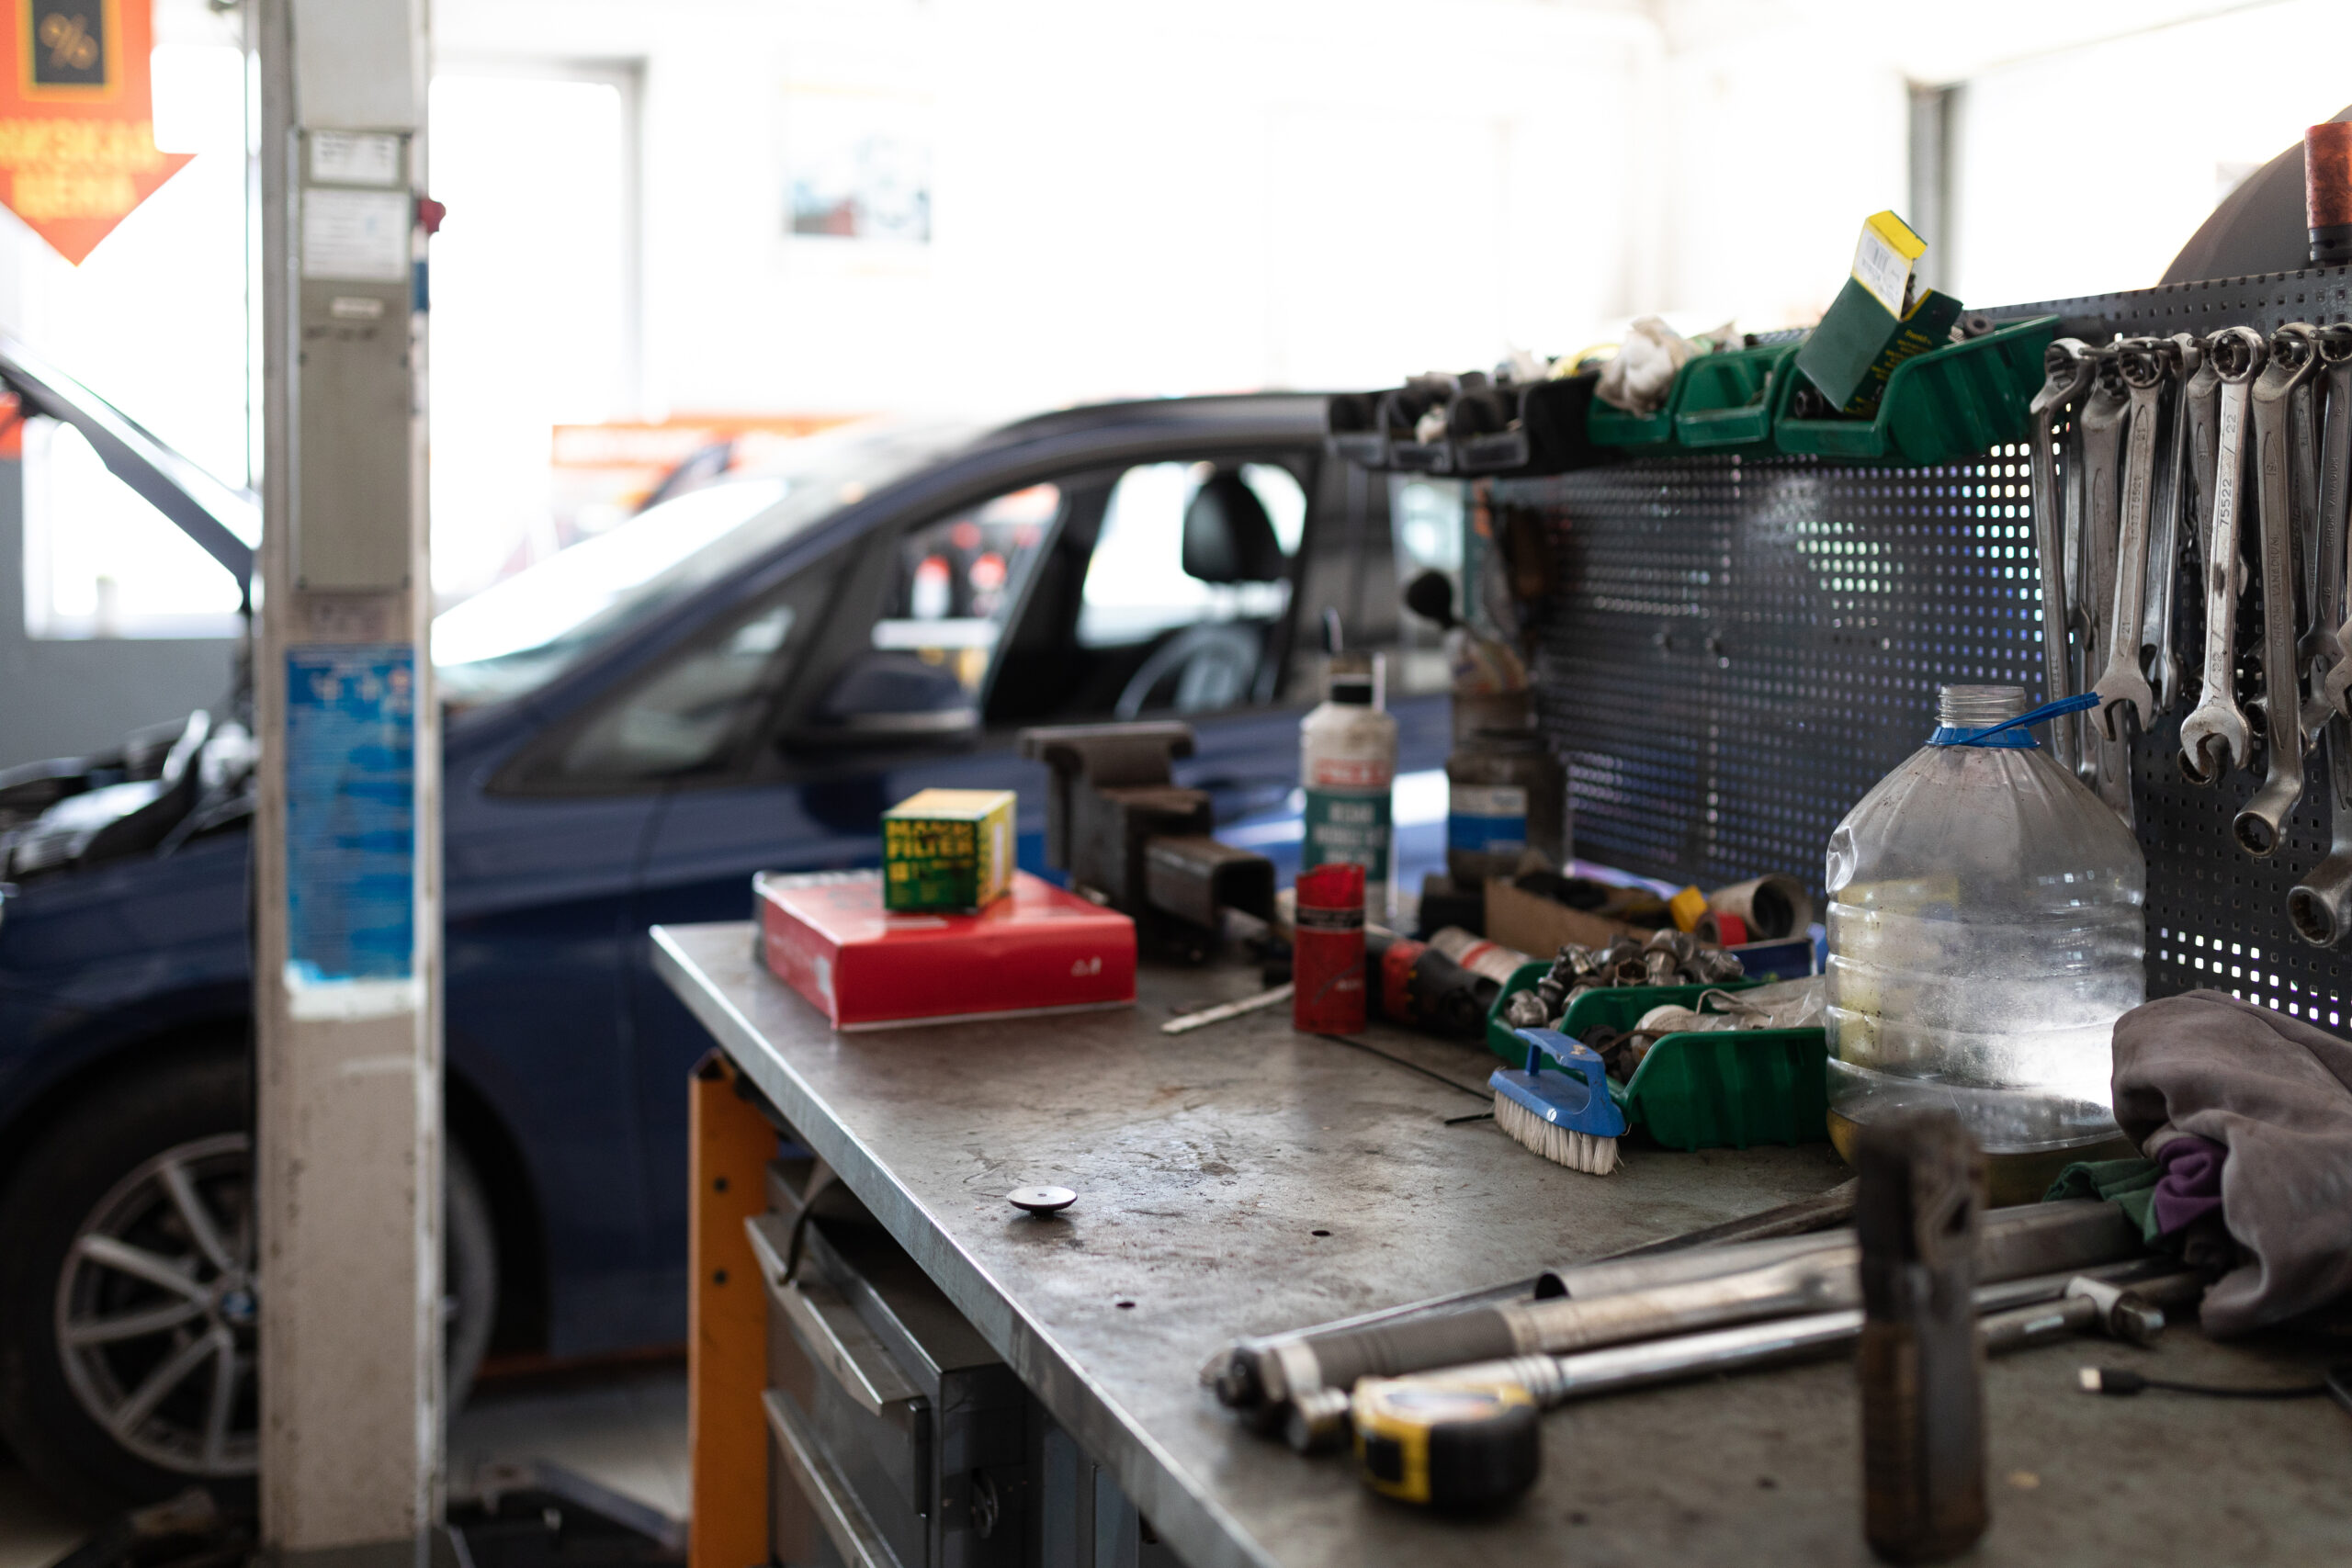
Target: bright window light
(154,321)
(530,306)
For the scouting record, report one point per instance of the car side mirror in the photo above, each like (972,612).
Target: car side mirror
(888,698)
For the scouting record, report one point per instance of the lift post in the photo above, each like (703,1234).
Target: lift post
(346,845)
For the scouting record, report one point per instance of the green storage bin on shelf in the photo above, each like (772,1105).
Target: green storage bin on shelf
(1948,403)
(1706,1090)
(1727,398)
(1608,426)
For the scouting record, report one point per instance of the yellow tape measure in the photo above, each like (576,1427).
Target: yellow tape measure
(1450,1445)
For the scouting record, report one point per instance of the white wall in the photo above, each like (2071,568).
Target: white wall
(2061,193)
(1129,199)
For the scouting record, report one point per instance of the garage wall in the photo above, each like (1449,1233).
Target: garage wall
(60,698)
(1126,200)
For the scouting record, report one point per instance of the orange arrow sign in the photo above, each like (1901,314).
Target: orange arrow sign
(77,131)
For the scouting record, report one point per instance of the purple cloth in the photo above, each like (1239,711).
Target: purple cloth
(2191,1185)
(2277,1094)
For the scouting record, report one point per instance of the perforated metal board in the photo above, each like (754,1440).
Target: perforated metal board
(1738,649)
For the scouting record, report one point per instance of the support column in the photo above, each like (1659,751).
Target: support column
(346,862)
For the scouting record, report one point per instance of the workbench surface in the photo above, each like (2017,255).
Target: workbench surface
(1244,1179)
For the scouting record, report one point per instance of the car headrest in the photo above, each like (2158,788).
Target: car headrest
(1228,535)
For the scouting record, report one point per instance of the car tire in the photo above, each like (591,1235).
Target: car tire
(109,1180)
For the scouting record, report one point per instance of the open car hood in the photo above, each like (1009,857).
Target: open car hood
(224,520)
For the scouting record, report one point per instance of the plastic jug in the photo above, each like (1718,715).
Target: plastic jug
(1984,934)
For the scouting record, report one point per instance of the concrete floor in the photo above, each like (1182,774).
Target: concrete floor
(624,1428)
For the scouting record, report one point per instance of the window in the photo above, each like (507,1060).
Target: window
(693,715)
(1427,521)
(534,304)
(154,321)
(958,580)
(1136,587)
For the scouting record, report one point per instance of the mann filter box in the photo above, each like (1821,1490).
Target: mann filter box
(1877,322)
(1037,949)
(947,848)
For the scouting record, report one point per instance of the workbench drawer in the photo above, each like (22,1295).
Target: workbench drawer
(913,1421)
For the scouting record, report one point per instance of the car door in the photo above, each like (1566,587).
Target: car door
(539,890)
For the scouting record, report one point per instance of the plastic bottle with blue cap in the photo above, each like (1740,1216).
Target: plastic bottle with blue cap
(1984,934)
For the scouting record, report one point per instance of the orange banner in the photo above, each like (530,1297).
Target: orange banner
(77,131)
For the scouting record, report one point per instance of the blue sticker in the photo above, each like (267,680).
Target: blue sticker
(351,813)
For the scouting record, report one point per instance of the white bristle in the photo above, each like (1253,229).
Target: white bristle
(1577,1151)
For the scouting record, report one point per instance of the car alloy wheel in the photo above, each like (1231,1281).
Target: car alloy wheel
(157,1307)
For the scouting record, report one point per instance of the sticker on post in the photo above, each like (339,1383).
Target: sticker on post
(360,236)
(355,158)
(351,831)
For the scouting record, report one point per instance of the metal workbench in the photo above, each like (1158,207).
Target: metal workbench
(1245,1178)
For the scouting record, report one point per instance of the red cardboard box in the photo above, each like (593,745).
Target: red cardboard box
(1039,950)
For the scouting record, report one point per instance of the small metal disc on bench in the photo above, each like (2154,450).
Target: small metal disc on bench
(1041,1199)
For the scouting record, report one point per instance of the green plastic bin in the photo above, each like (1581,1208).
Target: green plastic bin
(1947,403)
(1700,1091)
(1647,432)
(1727,398)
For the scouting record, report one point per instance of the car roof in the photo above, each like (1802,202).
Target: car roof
(1270,415)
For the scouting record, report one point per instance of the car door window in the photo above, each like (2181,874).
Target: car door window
(958,580)
(1136,584)
(693,714)
(1165,592)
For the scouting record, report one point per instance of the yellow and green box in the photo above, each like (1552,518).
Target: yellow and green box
(1880,317)
(947,848)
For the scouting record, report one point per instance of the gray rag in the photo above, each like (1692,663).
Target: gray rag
(2278,1094)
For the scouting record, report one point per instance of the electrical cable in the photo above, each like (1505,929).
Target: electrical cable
(2119,1381)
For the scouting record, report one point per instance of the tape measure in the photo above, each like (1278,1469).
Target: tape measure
(1449,1445)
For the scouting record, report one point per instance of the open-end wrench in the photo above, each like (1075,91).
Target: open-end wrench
(2214,740)
(2145,364)
(2331,652)
(2175,520)
(2105,761)
(2320,906)
(2066,375)
(2294,357)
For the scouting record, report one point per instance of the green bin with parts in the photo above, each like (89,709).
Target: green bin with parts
(1701,1090)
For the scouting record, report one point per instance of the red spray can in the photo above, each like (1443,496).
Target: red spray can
(1327,951)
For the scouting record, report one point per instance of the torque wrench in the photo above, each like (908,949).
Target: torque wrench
(2125,1302)
(2066,375)
(2294,357)
(2215,738)
(2144,364)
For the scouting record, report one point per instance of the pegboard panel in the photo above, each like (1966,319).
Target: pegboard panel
(1739,648)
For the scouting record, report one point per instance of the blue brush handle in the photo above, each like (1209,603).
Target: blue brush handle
(1574,1056)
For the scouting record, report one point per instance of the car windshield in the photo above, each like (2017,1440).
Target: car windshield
(522,632)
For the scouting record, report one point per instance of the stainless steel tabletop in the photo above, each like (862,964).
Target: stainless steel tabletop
(1244,1177)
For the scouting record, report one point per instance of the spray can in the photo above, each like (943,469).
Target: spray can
(1327,994)
(1348,763)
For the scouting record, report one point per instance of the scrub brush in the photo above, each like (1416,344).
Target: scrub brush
(1567,1117)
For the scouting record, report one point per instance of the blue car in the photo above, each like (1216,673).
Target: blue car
(739,678)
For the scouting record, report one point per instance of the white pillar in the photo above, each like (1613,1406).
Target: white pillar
(346,860)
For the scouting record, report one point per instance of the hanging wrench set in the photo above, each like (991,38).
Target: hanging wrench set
(1765,629)
(2211,457)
